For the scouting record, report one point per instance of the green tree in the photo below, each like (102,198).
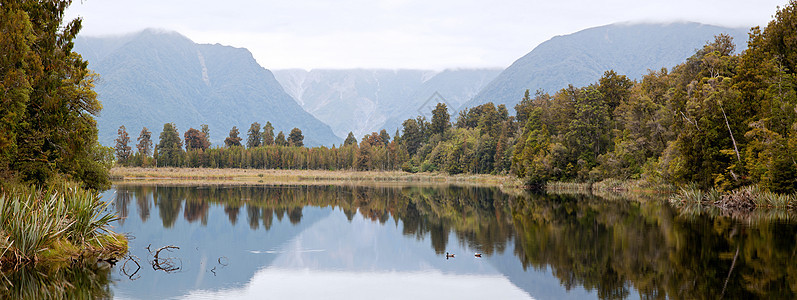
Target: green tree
(122,147)
(280,139)
(253,137)
(412,136)
(385,137)
(47,124)
(170,146)
(295,138)
(233,139)
(350,140)
(441,120)
(206,133)
(267,138)
(615,89)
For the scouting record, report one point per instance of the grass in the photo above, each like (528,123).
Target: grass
(58,225)
(639,190)
(749,203)
(318,177)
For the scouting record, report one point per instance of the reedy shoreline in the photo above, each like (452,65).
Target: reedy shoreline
(193,176)
(55,227)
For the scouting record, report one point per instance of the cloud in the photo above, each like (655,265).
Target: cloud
(397,33)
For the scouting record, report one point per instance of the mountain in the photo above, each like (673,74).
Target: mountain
(367,100)
(154,77)
(581,58)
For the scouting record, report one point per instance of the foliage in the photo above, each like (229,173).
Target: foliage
(350,140)
(196,140)
(170,147)
(47,125)
(233,139)
(35,224)
(295,138)
(267,136)
(718,120)
(122,147)
(253,136)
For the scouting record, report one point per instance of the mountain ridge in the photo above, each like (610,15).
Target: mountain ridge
(154,77)
(581,58)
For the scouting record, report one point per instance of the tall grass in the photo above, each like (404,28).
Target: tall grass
(55,223)
(691,194)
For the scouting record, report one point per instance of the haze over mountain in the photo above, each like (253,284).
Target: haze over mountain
(154,77)
(581,58)
(366,100)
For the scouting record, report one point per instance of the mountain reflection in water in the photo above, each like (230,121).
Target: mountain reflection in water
(390,242)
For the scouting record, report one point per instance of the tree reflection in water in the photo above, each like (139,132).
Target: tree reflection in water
(611,246)
(615,247)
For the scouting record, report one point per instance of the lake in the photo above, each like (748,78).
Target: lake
(390,242)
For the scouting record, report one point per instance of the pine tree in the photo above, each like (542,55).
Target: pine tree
(267,137)
(295,138)
(170,146)
(122,145)
(441,120)
(253,136)
(350,140)
(280,139)
(385,137)
(144,145)
(206,133)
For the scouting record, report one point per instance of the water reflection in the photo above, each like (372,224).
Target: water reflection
(591,246)
(88,282)
(247,242)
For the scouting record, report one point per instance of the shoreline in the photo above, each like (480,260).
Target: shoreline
(139,175)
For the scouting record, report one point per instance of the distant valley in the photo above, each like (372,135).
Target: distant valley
(363,101)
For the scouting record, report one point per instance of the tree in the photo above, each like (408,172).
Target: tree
(615,89)
(144,145)
(295,138)
(441,120)
(385,137)
(47,107)
(253,137)
(195,140)
(122,148)
(233,139)
(206,132)
(412,136)
(170,146)
(280,139)
(350,140)
(268,135)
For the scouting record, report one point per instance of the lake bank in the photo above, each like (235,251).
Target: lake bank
(56,227)
(193,176)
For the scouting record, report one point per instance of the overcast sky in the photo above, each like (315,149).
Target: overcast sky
(420,34)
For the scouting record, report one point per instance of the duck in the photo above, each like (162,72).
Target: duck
(449,255)
(477,254)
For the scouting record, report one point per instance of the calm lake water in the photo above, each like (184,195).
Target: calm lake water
(343,242)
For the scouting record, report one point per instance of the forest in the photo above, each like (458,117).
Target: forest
(719,120)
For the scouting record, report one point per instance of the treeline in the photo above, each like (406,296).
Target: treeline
(261,150)
(719,120)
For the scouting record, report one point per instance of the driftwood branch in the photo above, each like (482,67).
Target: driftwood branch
(132,274)
(168,264)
